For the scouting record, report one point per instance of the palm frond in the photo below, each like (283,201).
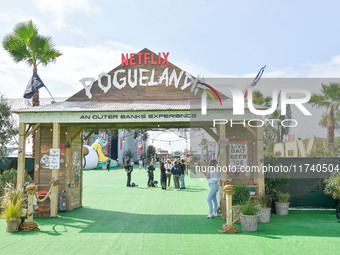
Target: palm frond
(25,44)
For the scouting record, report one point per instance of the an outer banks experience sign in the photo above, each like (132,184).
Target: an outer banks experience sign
(141,76)
(161,116)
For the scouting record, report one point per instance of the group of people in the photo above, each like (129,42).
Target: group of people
(167,169)
(177,171)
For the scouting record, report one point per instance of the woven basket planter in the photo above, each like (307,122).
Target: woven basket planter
(264,215)
(236,214)
(12,225)
(281,208)
(248,222)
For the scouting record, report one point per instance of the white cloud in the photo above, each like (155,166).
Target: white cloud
(329,69)
(62,78)
(58,10)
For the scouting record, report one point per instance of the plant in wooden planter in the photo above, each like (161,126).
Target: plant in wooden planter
(13,203)
(264,210)
(333,188)
(282,204)
(248,216)
(240,196)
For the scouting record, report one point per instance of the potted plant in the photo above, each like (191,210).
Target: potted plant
(12,214)
(13,203)
(264,210)
(240,196)
(333,188)
(248,216)
(282,204)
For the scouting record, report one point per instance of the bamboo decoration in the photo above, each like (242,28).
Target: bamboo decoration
(229,226)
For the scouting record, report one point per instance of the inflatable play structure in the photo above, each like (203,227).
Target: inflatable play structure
(94,156)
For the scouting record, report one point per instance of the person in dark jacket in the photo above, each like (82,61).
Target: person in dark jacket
(176,172)
(151,169)
(128,170)
(163,174)
(182,165)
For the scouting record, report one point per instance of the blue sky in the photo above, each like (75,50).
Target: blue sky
(209,38)
(206,38)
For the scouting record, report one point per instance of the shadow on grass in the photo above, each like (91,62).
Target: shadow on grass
(89,220)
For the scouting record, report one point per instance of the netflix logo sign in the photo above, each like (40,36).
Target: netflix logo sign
(132,59)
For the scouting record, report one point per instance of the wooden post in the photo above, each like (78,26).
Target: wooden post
(55,172)
(229,209)
(222,148)
(37,157)
(21,156)
(30,207)
(81,170)
(222,162)
(68,166)
(260,160)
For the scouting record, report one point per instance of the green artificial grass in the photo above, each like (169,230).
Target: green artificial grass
(115,219)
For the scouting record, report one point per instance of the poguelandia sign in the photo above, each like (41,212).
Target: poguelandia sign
(141,76)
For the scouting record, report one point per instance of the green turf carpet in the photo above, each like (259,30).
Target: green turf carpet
(115,219)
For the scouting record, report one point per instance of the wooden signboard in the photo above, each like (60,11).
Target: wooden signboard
(238,154)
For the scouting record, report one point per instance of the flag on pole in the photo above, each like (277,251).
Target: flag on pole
(34,84)
(255,81)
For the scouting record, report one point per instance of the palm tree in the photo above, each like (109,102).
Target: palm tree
(24,44)
(329,99)
(276,131)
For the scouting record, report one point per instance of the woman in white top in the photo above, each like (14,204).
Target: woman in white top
(168,166)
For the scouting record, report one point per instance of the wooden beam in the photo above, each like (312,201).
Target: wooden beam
(68,166)
(88,136)
(28,128)
(76,134)
(32,129)
(21,156)
(211,133)
(37,157)
(81,172)
(222,151)
(55,172)
(251,130)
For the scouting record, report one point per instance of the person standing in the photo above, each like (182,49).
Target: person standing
(182,165)
(128,170)
(145,163)
(151,169)
(176,172)
(140,164)
(163,174)
(168,167)
(213,177)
